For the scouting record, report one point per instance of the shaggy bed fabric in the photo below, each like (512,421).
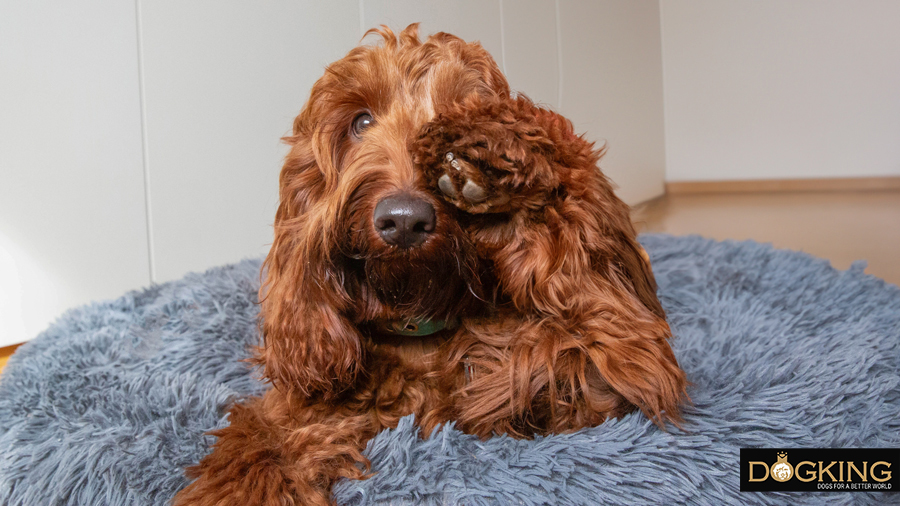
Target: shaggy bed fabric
(109,404)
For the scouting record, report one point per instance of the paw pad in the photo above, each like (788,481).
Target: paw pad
(468,188)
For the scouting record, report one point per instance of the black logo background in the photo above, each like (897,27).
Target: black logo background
(826,455)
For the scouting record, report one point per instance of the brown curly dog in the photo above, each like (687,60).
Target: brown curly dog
(444,250)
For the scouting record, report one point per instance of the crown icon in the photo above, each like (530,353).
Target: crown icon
(782,470)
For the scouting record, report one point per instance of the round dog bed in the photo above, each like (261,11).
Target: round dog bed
(109,404)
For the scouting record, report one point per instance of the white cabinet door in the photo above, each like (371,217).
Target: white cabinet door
(72,215)
(472,20)
(223,82)
(612,88)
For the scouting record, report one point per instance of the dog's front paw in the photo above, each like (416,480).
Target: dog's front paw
(489,155)
(471,188)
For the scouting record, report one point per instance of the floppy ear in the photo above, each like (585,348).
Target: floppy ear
(633,263)
(309,345)
(630,348)
(602,220)
(568,259)
(606,229)
(626,336)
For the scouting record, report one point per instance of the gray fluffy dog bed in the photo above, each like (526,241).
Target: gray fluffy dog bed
(111,402)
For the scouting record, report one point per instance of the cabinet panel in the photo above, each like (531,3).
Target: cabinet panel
(473,20)
(223,82)
(612,88)
(72,214)
(530,44)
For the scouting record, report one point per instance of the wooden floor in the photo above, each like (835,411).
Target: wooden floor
(4,355)
(842,226)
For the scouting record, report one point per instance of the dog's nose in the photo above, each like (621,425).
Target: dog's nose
(404,221)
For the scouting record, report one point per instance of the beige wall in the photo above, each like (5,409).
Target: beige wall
(775,89)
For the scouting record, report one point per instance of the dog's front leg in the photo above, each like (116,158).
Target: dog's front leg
(273,454)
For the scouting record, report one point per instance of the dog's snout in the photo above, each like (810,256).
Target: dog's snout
(404,221)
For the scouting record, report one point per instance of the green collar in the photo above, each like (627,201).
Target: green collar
(417,328)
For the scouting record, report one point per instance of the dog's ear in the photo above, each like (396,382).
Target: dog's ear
(309,345)
(633,266)
(629,344)
(569,254)
(615,252)
(613,247)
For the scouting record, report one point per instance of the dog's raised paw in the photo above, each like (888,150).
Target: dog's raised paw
(490,155)
(467,187)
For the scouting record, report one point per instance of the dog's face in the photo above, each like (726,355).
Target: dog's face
(398,248)
(356,222)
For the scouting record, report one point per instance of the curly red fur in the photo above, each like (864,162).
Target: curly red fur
(560,327)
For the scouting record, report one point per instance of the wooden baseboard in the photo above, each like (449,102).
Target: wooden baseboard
(786,185)
(5,353)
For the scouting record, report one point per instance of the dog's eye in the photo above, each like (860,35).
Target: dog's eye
(361,123)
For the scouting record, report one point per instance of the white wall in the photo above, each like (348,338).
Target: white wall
(774,89)
(140,141)
(223,82)
(72,217)
(612,88)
